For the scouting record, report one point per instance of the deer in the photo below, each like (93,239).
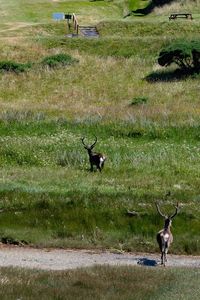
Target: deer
(164,236)
(96,159)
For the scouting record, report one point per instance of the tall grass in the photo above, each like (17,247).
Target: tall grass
(100,282)
(62,93)
(179,6)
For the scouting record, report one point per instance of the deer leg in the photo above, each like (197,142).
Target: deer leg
(166,256)
(162,258)
(165,259)
(99,168)
(163,253)
(166,250)
(91,167)
(102,165)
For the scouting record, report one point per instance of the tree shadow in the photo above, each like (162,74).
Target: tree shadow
(149,8)
(147,262)
(167,76)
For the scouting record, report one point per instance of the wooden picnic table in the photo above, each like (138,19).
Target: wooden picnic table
(174,16)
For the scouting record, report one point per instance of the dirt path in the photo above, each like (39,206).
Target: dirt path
(58,259)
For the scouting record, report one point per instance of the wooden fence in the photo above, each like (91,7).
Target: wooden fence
(75,23)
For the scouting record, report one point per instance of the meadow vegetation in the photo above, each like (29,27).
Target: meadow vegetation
(48,197)
(101,282)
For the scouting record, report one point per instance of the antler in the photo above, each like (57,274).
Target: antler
(158,209)
(92,146)
(177,210)
(89,147)
(82,139)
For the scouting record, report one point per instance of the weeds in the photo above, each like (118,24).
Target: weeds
(70,158)
(57,60)
(10,66)
(139,100)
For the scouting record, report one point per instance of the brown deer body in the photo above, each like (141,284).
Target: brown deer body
(95,158)
(164,236)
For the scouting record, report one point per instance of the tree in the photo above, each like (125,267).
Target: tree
(186,54)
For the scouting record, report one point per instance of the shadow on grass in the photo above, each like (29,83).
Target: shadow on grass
(167,76)
(149,8)
(147,262)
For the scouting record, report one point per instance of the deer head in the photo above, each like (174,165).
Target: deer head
(168,218)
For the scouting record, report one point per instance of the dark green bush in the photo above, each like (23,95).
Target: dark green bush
(138,100)
(186,54)
(58,60)
(11,66)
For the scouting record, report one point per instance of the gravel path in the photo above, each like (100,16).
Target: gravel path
(58,259)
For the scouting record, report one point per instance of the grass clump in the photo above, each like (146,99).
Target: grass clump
(58,60)
(11,66)
(69,158)
(139,100)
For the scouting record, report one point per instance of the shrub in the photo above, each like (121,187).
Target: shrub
(11,66)
(139,100)
(186,54)
(58,60)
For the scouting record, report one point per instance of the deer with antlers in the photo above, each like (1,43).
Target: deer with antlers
(96,159)
(164,236)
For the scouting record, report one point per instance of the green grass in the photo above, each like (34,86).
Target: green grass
(100,282)
(41,11)
(46,183)
(47,195)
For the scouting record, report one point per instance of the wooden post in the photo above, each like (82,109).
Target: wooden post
(76,25)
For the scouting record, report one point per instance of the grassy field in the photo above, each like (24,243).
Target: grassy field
(48,197)
(101,283)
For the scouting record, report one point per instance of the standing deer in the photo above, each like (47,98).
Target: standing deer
(96,159)
(164,237)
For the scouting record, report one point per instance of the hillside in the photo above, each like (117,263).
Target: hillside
(148,129)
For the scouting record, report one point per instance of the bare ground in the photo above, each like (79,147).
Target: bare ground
(59,259)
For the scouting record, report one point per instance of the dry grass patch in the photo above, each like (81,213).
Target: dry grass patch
(95,91)
(179,6)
